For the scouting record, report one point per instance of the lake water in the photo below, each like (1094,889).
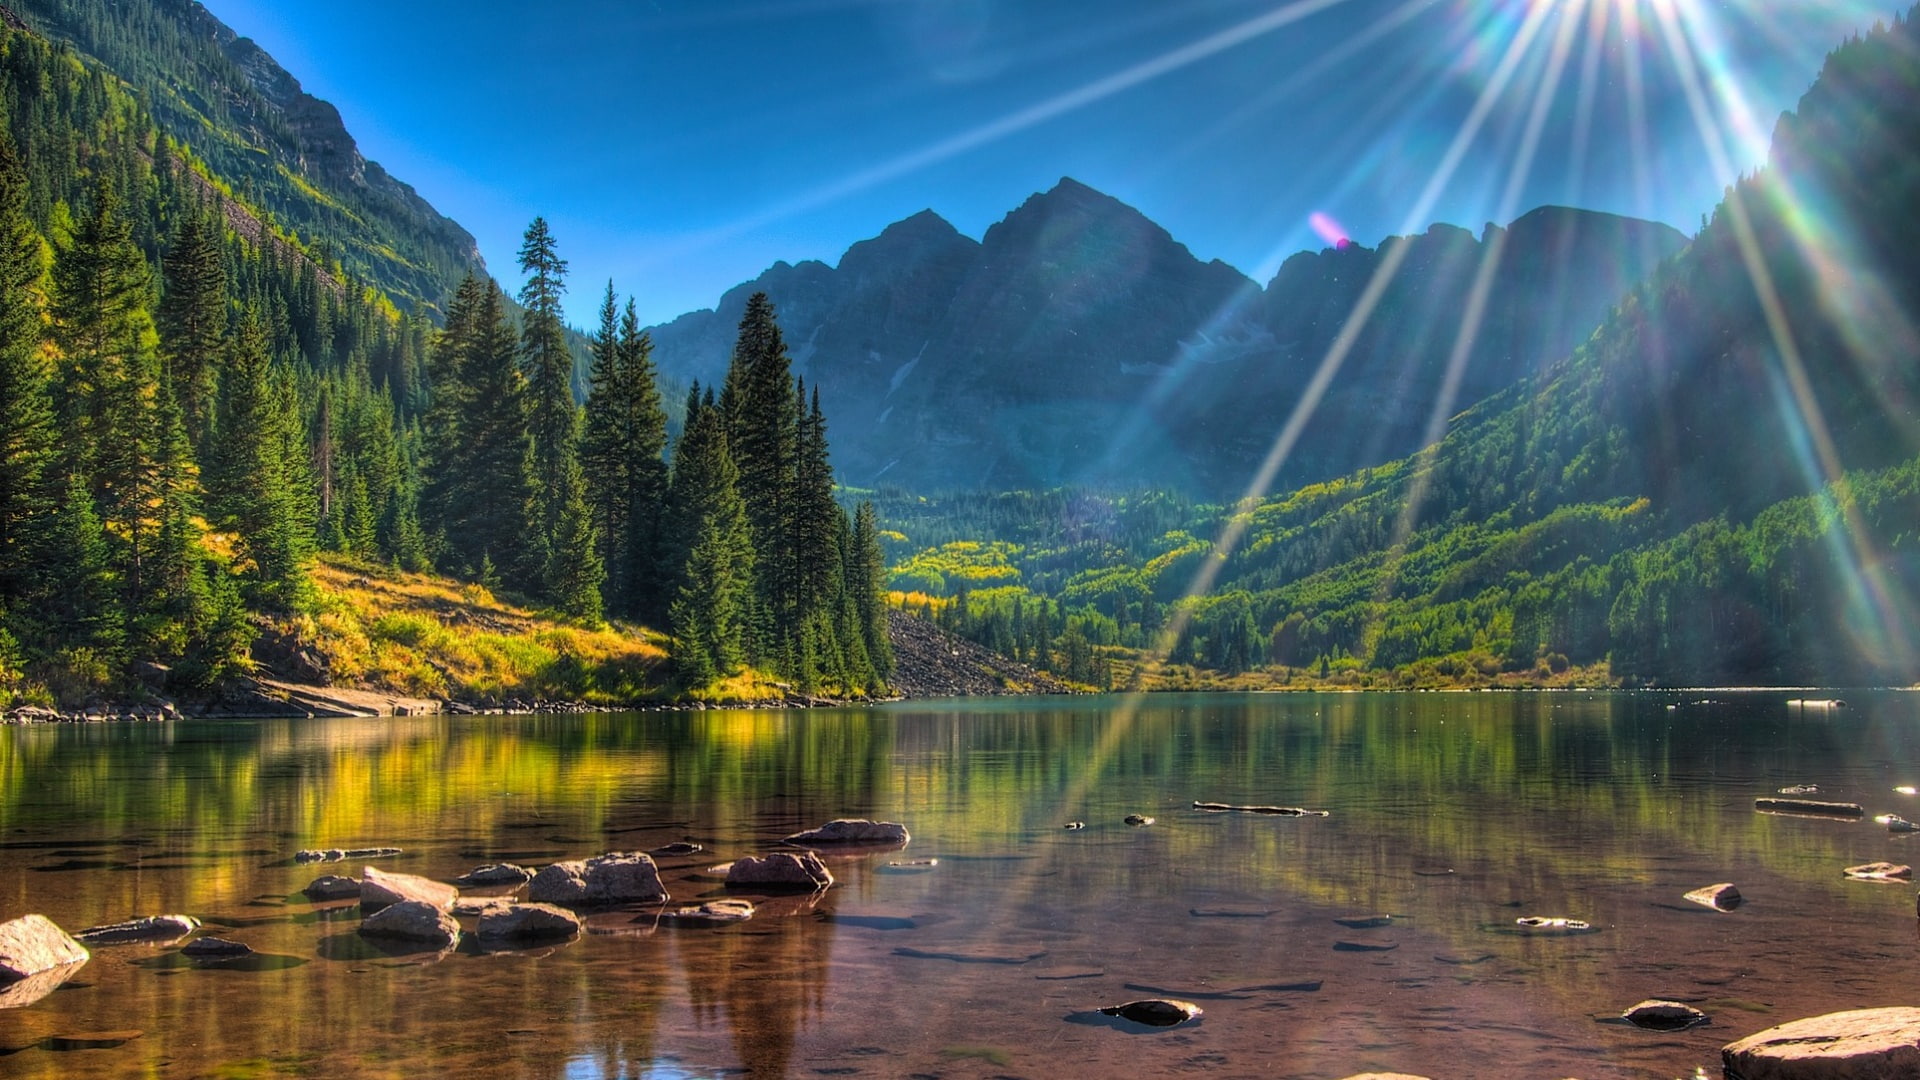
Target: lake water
(1454,813)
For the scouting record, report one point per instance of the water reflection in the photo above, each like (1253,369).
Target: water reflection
(1455,814)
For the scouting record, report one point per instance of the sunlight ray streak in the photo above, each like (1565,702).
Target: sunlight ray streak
(1638,137)
(1597,22)
(1012,123)
(1786,348)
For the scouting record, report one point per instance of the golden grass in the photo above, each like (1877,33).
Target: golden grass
(427,636)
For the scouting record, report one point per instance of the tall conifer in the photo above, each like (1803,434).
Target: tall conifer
(193,319)
(716,570)
(27,494)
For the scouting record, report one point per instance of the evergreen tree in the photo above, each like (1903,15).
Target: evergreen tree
(715,571)
(259,478)
(621,454)
(27,493)
(866,584)
(193,319)
(763,427)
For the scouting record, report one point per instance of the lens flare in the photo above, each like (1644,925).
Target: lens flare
(1328,229)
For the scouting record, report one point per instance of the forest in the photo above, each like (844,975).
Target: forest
(199,402)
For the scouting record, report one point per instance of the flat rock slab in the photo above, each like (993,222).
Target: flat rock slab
(852,831)
(1809,808)
(216,948)
(524,921)
(1879,871)
(31,944)
(1656,1015)
(1862,1044)
(780,870)
(494,874)
(614,878)
(379,890)
(412,920)
(147,928)
(332,887)
(1275,811)
(711,913)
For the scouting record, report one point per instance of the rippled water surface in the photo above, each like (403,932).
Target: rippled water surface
(1453,813)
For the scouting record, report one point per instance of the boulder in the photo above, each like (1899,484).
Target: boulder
(1657,1015)
(378,890)
(332,887)
(412,920)
(1862,1044)
(522,921)
(1158,1012)
(145,928)
(1721,897)
(494,874)
(216,948)
(852,831)
(476,906)
(617,878)
(31,944)
(780,870)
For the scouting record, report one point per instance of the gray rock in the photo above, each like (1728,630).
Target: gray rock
(1721,897)
(780,870)
(378,890)
(146,928)
(216,948)
(1158,1012)
(476,906)
(1657,1015)
(523,921)
(332,887)
(1862,1044)
(617,878)
(852,831)
(412,920)
(32,944)
(494,874)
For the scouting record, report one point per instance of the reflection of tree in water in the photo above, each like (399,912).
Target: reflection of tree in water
(762,980)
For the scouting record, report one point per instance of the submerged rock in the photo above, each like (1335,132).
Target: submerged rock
(711,913)
(216,948)
(378,890)
(332,887)
(1141,820)
(1158,1012)
(1364,922)
(1535,924)
(147,928)
(412,920)
(1879,871)
(852,831)
(32,944)
(780,870)
(494,874)
(1721,897)
(679,847)
(614,878)
(1861,1044)
(340,854)
(1278,811)
(1657,1015)
(911,866)
(524,921)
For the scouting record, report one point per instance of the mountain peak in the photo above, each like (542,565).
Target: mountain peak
(905,243)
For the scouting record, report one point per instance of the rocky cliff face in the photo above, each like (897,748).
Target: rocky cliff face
(1079,343)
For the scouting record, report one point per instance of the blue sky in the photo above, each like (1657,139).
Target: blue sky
(679,147)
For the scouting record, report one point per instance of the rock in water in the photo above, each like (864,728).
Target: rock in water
(412,920)
(216,948)
(711,913)
(1879,871)
(146,928)
(523,921)
(780,870)
(377,890)
(332,887)
(679,847)
(1535,924)
(1721,897)
(1140,820)
(1074,825)
(1657,1015)
(1158,1012)
(1863,1044)
(616,878)
(1364,922)
(1810,808)
(494,874)
(32,944)
(852,831)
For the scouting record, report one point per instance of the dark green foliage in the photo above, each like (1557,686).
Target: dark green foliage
(259,478)
(564,541)
(622,455)
(27,493)
(193,319)
(709,525)
(866,585)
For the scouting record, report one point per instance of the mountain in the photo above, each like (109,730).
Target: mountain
(1078,343)
(282,150)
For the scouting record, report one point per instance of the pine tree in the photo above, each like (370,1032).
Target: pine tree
(866,583)
(763,427)
(716,567)
(647,445)
(552,417)
(259,479)
(193,319)
(621,455)
(27,492)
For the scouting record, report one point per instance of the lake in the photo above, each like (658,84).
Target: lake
(1456,814)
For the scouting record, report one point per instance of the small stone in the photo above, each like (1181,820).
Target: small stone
(1157,1012)
(1656,1015)
(1139,820)
(494,874)
(216,948)
(1861,1044)
(412,920)
(679,847)
(780,870)
(529,921)
(1879,871)
(1721,897)
(378,889)
(332,887)
(852,831)
(31,944)
(910,866)
(711,913)
(146,928)
(1539,925)
(1073,825)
